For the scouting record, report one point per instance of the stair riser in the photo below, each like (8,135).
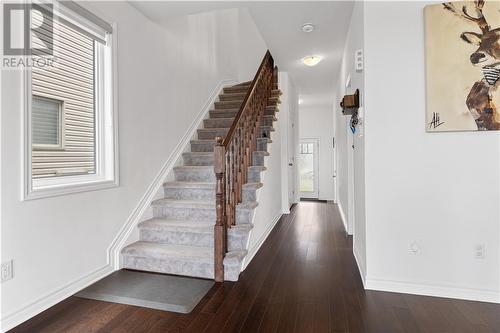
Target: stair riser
(208,175)
(205,175)
(179,267)
(223,114)
(254,176)
(218,122)
(202,194)
(209,146)
(232,113)
(236,241)
(210,134)
(258,159)
(267,121)
(235,90)
(262,145)
(232,97)
(227,105)
(193,160)
(249,195)
(202,147)
(189,193)
(265,132)
(197,214)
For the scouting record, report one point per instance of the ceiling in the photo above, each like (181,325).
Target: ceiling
(280,25)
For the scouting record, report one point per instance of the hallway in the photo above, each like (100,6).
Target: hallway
(303,279)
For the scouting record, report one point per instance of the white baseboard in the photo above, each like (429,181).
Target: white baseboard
(138,212)
(30,310)
(253,251)
(415,288)
(361,267)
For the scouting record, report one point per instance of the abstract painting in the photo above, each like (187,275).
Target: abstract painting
(462,46)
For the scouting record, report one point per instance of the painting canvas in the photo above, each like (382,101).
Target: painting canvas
(462,45)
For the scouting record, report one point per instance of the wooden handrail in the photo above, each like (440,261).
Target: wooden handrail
(234,154)
(244,104)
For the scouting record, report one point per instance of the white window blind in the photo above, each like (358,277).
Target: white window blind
(46,123)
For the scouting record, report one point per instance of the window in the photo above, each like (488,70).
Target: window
(70,104)
(306,148)
(46,120)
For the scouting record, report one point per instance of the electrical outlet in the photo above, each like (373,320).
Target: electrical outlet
(479,251)
(7,270)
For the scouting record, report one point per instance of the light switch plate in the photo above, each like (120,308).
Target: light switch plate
(358,60)
(7,270)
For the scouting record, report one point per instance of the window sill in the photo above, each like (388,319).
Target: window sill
(69,188)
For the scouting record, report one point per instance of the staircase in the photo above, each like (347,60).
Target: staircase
(179,239)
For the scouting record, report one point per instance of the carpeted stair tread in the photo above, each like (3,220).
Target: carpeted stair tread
(179,252)
(252,186)
(191,226)
(202,204)
(187,184)
(206,185)
(261,152)
(177,225)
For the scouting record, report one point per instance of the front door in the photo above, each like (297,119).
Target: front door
(308,168)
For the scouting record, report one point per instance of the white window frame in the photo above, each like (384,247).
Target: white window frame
(106,130)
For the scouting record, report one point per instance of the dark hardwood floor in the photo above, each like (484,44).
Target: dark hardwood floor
(303,279)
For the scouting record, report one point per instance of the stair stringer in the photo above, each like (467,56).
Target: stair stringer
(268,212)
(142,211)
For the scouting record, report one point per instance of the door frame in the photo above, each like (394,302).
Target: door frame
(316,142)
(351,204)
(350,170)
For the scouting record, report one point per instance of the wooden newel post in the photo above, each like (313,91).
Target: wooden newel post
(220,199)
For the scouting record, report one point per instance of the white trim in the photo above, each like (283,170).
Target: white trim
(361,267)
(351,195)
(136,215)
(31,309)
(253,251)
(425,289)
(2,157)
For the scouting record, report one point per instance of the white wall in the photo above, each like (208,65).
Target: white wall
(440,190)
(352,170)
(165,76)
(318,123)
(270,209)
(251,52)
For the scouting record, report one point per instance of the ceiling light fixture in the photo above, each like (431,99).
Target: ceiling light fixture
(312,60)
(308,27)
